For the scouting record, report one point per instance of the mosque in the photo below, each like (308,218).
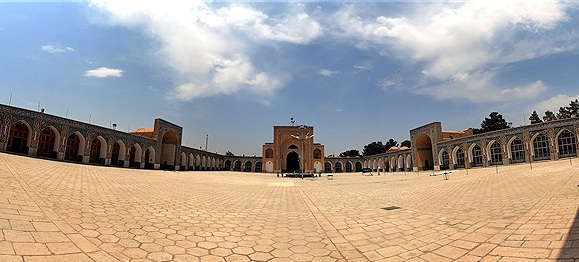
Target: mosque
(39,134)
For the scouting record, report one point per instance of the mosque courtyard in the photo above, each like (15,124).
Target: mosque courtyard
(56,211)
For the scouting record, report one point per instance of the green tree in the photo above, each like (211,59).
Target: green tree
(495,122)
(535,118)
(573,108)
(350,153)
(563,113)
(391,142)
(373,148)
(549,116)
(405,143)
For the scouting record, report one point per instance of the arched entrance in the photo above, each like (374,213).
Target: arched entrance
(18,138)
(150,158)
(247,166)
(269,167)
(115,154)
(135,156)
(168,150)
(292,162)
(95,151)
(74,143)
(424,157)
(227,165)
(358,167)
(46,143)
(317,167)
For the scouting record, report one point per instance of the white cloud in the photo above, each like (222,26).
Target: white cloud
(386,83)
(210,50)
(104,72)
(327,72)
(56,49)
(553,103)
(480,88)
(456,43)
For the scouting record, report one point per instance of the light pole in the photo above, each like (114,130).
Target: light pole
(302,137)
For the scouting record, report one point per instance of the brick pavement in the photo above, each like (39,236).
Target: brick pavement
(55,211)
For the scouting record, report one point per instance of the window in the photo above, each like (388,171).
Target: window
(496,154)
(566,143)
(460,158)
(541,147)
(327,167)
(477,158)
(517,151)
(269,153)
(46,142)
(317,153)
(338,167)
(445,160)
(95,151)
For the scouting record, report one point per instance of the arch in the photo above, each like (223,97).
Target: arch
(247,166)
(150,157)
(328,167)
(19,137)
(98,150)
(228,165)
(118,153)
(317,167)
(444,159)
(258,167)
(424,152)
(338,167)
(401,162)
(183,160)
(191,162)
(495,153)
(204,163)
(269,153)
(408,161)
(358,166)
(540,147)
(475,153)
(198,162)
(566,144)
(349,167)
(292,147)
(393,163)
(74,145)
(317,153)
(375,165)
(48,142)
(516,150)
(169,150)
(458,157)
(387,165)
(269,167)
(237,165)
(292,162)
(135,155)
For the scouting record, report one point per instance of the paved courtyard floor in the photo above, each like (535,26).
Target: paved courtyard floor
(55,211)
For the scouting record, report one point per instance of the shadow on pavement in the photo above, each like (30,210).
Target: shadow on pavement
(570,250)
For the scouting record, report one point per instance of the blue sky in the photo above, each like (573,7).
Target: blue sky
(357,72)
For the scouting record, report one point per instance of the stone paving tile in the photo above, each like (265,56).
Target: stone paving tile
(55,211)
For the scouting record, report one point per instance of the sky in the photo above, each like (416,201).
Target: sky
(229,70)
